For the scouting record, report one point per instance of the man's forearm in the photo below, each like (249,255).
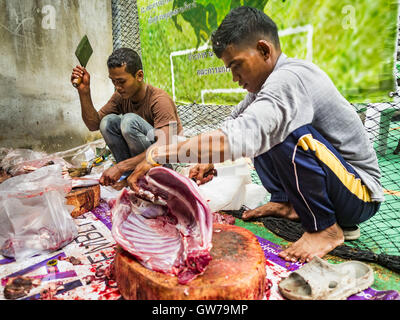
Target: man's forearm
(89,114)
(210,147)
(131,163)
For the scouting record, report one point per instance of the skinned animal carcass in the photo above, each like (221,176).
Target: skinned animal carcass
(167,227)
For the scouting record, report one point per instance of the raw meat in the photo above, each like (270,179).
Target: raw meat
(19,287)
(49,292)
(223,218)
(167,226)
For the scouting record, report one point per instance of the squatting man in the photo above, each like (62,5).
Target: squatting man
(136,116)
(308,145)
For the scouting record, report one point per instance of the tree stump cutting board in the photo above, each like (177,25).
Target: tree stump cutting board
(236,272)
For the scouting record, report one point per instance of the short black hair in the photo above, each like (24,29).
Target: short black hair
(244,25)
(125,56)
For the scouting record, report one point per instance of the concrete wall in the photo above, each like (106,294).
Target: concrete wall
(39,108)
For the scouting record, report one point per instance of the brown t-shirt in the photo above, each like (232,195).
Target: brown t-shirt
(157,108)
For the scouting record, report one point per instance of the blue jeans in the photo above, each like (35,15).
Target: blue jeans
(307,171)
(126,135)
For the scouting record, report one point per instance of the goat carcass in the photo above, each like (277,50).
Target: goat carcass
(167,227)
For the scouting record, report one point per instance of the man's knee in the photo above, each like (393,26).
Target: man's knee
(109,122)
(133,124)
(130,121)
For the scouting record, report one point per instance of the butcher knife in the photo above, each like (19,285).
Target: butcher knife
(83,53)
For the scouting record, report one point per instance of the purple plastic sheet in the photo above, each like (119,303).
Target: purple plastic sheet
(271,251)
(102,212)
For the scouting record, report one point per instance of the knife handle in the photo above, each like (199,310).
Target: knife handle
(76,82)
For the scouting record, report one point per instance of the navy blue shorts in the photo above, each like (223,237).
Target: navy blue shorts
(307,171)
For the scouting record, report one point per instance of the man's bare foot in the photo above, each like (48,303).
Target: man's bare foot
(314,244)
(274,209)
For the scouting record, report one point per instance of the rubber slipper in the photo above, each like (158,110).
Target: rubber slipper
(321,280)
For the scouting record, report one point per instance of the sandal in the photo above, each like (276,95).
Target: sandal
(321,280)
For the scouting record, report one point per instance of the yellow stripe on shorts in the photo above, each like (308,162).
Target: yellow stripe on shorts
(352,183)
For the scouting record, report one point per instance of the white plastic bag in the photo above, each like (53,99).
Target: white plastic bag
(255,196)
(224,193)
(34,217)
(232,188)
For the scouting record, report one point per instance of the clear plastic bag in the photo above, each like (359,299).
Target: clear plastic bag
(21,161)
(34,217)
(83,153)
(13,157)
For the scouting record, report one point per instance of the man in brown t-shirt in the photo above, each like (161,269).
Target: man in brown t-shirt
(136,116)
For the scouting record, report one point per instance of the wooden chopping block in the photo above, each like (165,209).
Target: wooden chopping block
(84,199)
(236,272)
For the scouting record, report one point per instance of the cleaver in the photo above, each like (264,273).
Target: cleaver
(83,53)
